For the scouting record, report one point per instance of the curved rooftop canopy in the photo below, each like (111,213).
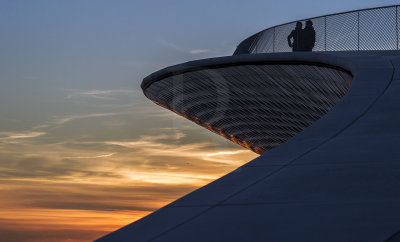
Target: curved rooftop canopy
(258,104)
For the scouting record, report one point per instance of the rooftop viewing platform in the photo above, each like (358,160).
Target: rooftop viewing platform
(366,29)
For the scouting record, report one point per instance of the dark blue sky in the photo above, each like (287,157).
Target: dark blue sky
(107,43)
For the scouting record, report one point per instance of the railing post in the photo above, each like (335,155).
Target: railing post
(273,42)
(358,30)
(325,33)
(397,30)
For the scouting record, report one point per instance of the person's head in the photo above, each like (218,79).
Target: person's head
(309,23)
(299,25)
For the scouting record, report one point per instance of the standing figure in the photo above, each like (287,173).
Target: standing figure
(308,40)
(296,34)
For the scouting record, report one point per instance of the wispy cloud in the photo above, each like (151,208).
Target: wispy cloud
(183,49)
(171,45)
(112,94)
(69,118)
(154,142)
(169,177)
(156,112)
(90,157)
(165,145)
(135,63)
(198,51)
(21,135)
(12,136)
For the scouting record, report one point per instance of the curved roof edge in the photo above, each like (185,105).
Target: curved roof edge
(327,60)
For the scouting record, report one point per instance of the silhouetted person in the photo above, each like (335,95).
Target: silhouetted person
(296,34)
(308,37)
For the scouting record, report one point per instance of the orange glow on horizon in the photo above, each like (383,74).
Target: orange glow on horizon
(94,193)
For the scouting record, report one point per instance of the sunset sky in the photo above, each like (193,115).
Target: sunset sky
(82,151)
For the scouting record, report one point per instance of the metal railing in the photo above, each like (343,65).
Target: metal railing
(366,29)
